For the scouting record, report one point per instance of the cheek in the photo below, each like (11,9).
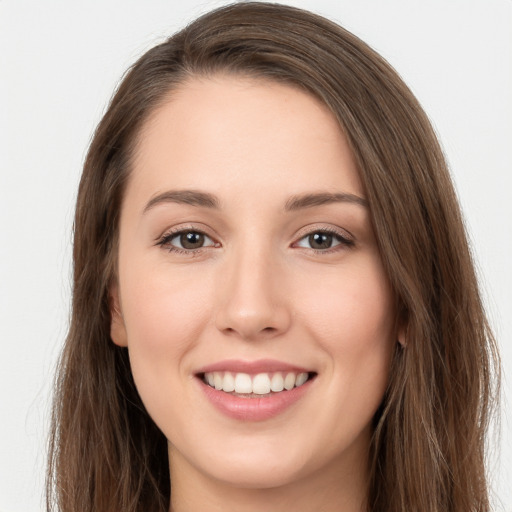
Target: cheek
(164,308)
(165,311)
(351,316)
(351,307)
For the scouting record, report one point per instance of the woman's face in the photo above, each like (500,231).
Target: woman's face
(247,262)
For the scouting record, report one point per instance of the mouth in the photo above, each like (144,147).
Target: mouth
(252,391)
(259,385)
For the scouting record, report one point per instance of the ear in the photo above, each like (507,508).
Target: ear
(117,327)
(402,334)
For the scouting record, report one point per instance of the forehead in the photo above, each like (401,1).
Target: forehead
(244,135)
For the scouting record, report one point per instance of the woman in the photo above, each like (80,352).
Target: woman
(274,302)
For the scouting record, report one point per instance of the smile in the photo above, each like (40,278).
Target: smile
(262,384)
(254,391)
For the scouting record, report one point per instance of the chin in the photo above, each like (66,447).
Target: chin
(259,466)
(258,476)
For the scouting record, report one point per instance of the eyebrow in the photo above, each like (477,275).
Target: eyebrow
(318,199)
(294,203)
(190,197)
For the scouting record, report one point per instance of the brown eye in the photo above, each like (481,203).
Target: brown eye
(186,240)
(323,240)
(320,240)
(192,240)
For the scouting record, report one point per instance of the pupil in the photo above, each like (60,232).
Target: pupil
(320,240)
(192,240)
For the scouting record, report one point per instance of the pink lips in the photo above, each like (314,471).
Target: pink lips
(251,367)
(252,409)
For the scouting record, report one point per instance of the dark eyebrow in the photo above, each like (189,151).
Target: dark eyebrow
(321,198)
(206,200)
(191,197)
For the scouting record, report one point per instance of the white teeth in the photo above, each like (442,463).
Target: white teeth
(301,378)
(228,384)
(218,378)
(243,383)
(277,383)
(289,381)
(260,384)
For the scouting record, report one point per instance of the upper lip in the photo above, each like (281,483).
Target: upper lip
(251,367)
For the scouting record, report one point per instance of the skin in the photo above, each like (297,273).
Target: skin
(257,289)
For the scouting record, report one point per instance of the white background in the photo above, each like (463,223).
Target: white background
(59,63)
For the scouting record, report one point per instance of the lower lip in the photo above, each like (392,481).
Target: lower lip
(254,409)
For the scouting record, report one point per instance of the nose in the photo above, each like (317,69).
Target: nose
(252,299)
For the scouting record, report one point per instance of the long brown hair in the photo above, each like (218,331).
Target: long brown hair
(427,451)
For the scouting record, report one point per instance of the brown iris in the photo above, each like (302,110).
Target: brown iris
(320,240)
(192,240)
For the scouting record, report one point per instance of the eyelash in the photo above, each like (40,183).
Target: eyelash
(344,241)
(165,241)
